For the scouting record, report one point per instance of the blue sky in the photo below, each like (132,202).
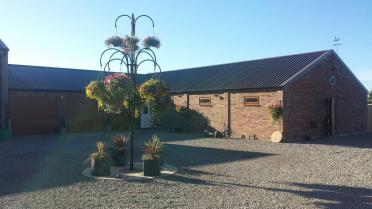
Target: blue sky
(71,33)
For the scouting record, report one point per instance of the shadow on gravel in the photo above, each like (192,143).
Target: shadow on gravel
(185,156)
(358,140)
(41,162)
(194,172)
(188,180)
(166,136)
(331,196)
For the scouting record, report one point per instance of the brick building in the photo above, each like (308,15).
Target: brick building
(319,94)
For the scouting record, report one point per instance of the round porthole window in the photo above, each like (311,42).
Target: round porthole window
(332,80)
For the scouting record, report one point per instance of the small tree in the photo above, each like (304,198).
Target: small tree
(370,97)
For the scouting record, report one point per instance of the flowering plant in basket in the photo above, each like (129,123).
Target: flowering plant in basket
(112,93)
(275,110)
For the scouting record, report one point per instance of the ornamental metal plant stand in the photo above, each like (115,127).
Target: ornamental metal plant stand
(131,59)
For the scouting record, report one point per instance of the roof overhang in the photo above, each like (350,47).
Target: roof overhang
(313,64)
(3,47)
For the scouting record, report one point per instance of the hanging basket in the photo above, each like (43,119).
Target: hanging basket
(115,41)
(151,41)
(276,111)
(131,44)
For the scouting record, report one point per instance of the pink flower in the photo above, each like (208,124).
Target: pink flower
(115,76)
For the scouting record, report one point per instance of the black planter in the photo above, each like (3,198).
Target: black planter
(119,158)
(63,130)
(151,167)
(101,167)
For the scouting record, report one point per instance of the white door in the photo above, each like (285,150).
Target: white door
(145,117)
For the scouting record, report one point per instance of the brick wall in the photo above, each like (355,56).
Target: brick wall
(254,120)
(180,100)
(245,120)
(216,112)
(305,100)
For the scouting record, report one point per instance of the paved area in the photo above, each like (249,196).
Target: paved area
(45,172)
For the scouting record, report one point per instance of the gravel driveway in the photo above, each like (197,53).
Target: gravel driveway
(45,172)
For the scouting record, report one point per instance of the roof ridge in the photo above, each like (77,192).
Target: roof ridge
(274,57)
(60,68)
(51,67)
(307,67)
(191,68)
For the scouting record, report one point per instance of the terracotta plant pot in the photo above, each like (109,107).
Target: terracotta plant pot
(151,167)
(119,157)
(101,167)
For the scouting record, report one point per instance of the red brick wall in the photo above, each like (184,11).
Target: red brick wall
(305,100)
(216,112)
(245,120)
(180,100)
(255,120)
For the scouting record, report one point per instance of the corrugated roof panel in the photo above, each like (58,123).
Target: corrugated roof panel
(262,73)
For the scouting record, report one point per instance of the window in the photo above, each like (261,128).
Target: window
(205,101)
(251,100)
(332,80)
(145,110)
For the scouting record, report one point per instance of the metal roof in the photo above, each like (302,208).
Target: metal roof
(3,47)
(255,74)
(24,77)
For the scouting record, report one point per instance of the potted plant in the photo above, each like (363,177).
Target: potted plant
(118,152)
(100,161)
(130,44)
(151,41)
(275,111)
(151,157)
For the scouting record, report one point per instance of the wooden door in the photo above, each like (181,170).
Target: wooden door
(33,113)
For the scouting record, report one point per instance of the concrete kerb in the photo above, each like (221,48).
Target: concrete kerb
(123,173)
